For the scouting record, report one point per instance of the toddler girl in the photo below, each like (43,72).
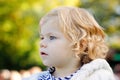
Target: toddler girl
(72,46)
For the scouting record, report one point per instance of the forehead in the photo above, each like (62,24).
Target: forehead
(50,25)
(49,19)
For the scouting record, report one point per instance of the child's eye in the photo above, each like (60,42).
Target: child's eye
(52,37)
(41,38)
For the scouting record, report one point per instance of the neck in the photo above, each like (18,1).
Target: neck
(64,71)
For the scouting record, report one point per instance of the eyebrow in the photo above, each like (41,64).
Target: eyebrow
(47,34)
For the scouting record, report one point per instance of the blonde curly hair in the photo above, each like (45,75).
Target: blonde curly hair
(80,27)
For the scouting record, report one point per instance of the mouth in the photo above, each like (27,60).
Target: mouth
(43,53)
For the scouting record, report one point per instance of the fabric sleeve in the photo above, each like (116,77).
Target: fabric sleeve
(102,75)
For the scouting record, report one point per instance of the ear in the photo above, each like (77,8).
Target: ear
(83,45)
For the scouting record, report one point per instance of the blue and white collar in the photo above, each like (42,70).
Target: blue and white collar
(48,75)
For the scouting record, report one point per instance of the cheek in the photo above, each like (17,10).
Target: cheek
(60,49)
(58,46)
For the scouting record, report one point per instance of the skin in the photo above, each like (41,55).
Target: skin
(57,49)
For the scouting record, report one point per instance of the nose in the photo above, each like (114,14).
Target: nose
(43,44)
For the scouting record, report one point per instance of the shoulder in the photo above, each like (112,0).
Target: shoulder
(36,76)
(101,70)
(97,69)
(101,74)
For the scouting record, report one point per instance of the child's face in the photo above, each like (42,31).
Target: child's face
(55,48)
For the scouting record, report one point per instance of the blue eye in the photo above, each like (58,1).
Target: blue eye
(52,37)
(41,38)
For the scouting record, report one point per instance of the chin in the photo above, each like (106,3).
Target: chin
(47,64)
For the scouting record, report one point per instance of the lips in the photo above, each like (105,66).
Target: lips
(43,53)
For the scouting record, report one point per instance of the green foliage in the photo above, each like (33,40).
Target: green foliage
(19,40)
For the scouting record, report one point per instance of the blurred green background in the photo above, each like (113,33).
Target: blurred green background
(19,19)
